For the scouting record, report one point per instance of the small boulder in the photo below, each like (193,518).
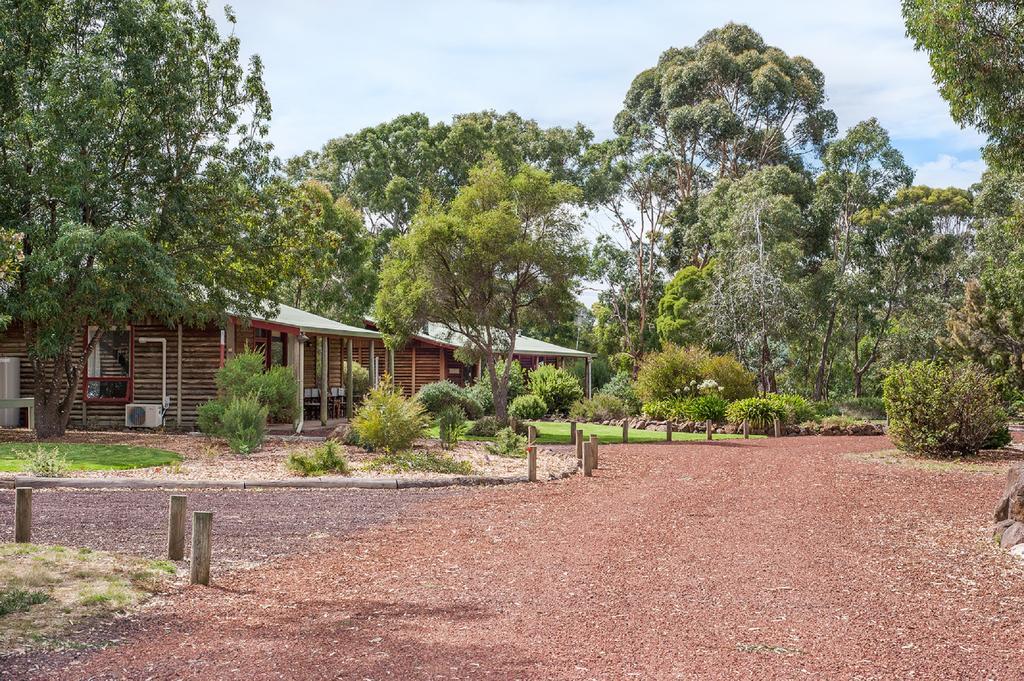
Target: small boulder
(999,528)
(1011,504)
(1018,551)
(1012,536)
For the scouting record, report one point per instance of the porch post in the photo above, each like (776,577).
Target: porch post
(590,380)
(297,357)
(373,363)
(349,379)
(324,383)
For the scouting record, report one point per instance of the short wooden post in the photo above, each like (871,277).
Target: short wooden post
(593,452)
(176,527)
(531,463)
(202,525)
(531,434)
(746,429)
(668,431)
(778,428)
(23,515)
(588,460)
(709,427)
(579,448)
(572,432)
(625,431)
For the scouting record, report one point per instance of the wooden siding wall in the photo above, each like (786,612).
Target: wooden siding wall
(200,361)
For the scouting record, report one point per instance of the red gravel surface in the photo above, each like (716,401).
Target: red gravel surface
(733,559)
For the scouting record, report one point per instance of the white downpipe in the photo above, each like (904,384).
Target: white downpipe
(164,400)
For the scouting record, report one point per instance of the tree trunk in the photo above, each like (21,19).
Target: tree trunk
(819,379)
(499,390)
(55,387)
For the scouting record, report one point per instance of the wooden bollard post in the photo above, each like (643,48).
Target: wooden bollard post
(202,525)
(588,460)
(572,432)
(778,428)
(746,429)
(579,448)
(531,434)
(23,515)
(668,431)
(625,431)
(709,427)
(593,449)
(176,528)
(531,463)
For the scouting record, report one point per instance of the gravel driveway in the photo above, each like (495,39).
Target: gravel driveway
(732,559)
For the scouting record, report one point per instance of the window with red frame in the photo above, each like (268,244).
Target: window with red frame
(109,371)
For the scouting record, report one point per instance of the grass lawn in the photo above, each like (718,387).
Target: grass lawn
(557,433)
(45,590)
(14,456)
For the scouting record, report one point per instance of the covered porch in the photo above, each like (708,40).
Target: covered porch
(322,353)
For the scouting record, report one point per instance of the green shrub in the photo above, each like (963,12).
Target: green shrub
(998,439)
(209,417)
(759,412)
(483,395)
(451,426)
(669,374)
(602,407)
(326,457)
(387,421)
(709,407)
(485,426)
(360,378)
(736,381)
(793,408)
(419,462)
(527,407)
(47,462)
(442,395)
(508,443)
(942,410)
(557,387)
(864,408)
(838,421)
(621,387)
(666,410)
(823,409)
(244,376)
(244,424)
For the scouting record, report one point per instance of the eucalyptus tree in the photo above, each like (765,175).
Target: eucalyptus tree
(976,50)
(727,105)
(132,163)
(384,170)
(327,267)
(755,292)
(861,171)
(503,253)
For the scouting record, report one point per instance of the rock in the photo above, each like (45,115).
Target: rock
(999,528)
(340,433)
(1012,536)
(1017,551)
(1011,504)
(730,429)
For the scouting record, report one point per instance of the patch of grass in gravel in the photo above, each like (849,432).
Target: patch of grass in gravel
(14,456)
(767,648)
(419,462)
(45,590)
(899,458)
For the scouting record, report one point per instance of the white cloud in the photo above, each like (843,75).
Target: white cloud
(949,171)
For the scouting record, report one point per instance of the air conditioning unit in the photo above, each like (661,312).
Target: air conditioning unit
(143,415)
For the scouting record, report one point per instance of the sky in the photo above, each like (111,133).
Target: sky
(334,67)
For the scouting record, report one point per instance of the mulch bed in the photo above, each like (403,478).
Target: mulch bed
(206,458)
(730,559)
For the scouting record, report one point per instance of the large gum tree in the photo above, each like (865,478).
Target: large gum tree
(132,163)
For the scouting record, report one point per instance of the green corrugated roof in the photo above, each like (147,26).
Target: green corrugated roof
(313,323)
(524,344)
